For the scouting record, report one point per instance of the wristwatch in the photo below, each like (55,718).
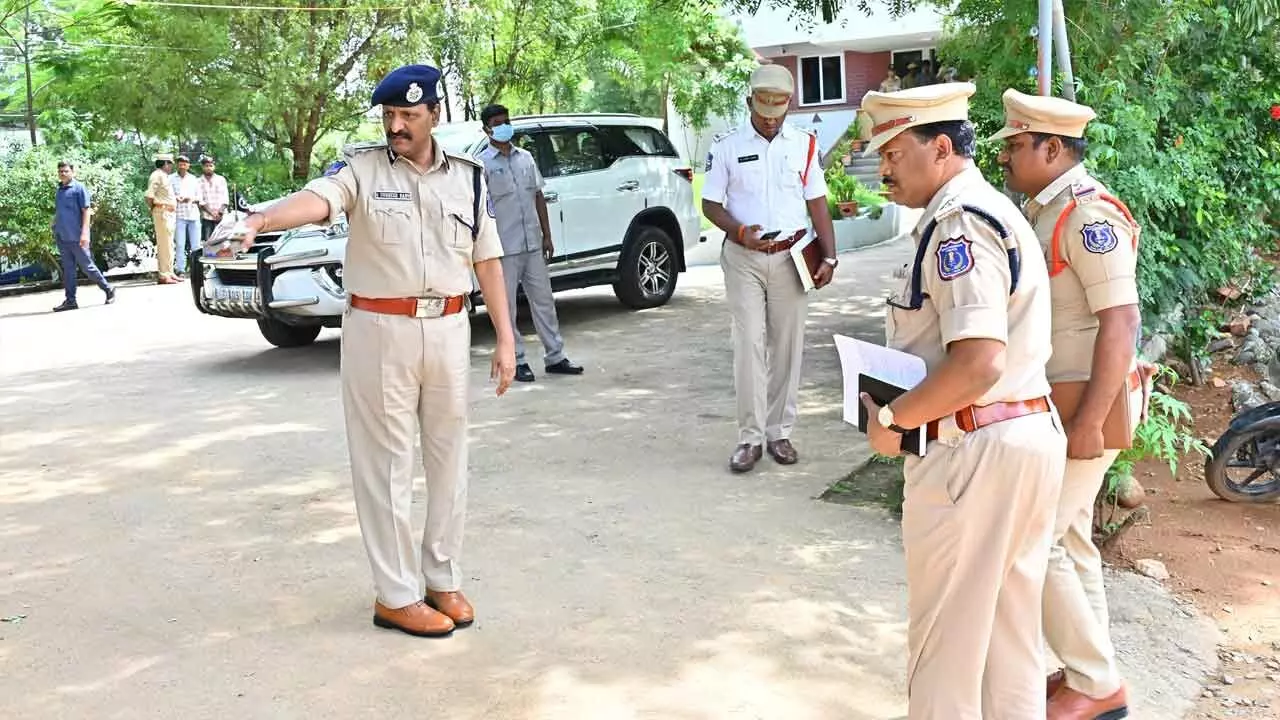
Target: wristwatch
(885,416)
(831,261)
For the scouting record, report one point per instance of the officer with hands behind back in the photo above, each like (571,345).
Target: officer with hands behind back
(419,223)
(978,507)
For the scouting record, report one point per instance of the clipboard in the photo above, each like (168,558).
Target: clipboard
(913,441)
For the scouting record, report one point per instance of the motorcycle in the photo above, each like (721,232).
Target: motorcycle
(1245,463)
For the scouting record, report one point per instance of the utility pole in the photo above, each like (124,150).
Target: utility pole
(1044,34)
(1063,50)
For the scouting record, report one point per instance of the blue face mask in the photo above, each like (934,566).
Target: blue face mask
(504,133)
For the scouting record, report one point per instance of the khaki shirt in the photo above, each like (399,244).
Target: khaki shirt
(160,190)
(410,227)
(966,279)
(514,182)
(1097,243)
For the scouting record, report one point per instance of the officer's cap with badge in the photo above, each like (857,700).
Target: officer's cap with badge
(1043,114)
(408,86)
(892,113)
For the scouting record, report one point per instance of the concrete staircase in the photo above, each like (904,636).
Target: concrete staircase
(865,169)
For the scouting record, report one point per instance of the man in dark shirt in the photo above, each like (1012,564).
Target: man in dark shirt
(71,233)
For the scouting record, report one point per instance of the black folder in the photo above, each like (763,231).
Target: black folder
(913,441)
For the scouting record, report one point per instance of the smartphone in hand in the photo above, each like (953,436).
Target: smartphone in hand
(769,236)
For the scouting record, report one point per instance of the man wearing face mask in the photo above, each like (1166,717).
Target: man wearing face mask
(767,176)
(418,227)
(515,187)
(977,516)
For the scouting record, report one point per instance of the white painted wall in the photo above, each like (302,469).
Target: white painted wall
(771,28)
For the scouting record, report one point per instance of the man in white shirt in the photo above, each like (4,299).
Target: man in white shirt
(765,177)
(186,235)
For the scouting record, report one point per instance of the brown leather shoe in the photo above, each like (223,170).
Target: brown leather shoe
(783,452)
(1067,704)
(416,619)
(1056,680)
(745,457)
(453,604)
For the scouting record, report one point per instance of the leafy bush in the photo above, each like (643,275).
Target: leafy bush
(1184,135)
(28,180)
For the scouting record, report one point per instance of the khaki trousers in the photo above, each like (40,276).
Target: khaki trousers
(977,523)
(1076,622)
(165,221)
(769,305)
(402,377)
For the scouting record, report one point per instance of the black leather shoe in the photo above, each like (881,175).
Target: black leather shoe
(111,295)
(745,457)
(524,373)
(66,305)
(564,367)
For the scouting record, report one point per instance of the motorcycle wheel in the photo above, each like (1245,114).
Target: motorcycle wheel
(1245,465)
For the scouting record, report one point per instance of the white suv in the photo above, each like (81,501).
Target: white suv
(619,199)
(620,204)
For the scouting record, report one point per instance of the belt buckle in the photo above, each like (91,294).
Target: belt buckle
(428,308)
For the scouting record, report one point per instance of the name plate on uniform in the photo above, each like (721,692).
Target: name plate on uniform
(748,158)
(392,195)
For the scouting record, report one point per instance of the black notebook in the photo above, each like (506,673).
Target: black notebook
(914,441)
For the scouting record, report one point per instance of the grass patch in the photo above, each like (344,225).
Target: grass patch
(698,179)
(878,483)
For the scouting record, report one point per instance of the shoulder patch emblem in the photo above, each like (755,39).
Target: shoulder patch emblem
(955,257)
(1099,237)
(488,204)
(709,156)
(334,168)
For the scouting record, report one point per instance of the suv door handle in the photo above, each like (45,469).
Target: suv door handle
(630,185)
(551,197)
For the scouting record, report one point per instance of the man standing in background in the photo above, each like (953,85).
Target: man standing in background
(214,198)
(186,190)
(515,185)
(71,232)
(161,203)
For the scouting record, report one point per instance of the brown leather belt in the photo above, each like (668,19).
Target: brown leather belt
(428,307)
(778,246)
(980,416)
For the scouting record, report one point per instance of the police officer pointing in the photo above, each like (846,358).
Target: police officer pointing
(978,509)
(419,223)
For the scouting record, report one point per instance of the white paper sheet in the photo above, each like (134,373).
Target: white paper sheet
(892,366)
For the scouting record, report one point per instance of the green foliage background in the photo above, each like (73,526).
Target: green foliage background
(1183,90)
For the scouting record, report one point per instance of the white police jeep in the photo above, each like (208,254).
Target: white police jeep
(621,209)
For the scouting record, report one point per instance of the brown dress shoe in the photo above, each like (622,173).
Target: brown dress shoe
(745,458)
(416,619)
(1056,680)
(783,452)
(1067,704)
(453,604)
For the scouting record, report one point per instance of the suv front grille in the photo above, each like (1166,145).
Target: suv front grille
(233,276)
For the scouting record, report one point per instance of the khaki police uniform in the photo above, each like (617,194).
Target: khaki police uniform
(163,215)
(978,511)
(411,236)
(1091,253)
(765,183)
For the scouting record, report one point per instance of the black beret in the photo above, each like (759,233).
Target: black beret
(407,86)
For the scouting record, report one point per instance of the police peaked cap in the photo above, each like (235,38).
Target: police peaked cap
(407,86)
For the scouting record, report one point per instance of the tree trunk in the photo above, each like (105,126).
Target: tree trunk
(301,148)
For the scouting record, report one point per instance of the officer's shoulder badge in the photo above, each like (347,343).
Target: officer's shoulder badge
(1099,237)
(721,136)
(955,257)
(1084,192)
(488,205)
(709,156)
(334,168)
(949,209)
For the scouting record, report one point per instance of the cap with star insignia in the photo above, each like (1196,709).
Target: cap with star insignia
(407,86)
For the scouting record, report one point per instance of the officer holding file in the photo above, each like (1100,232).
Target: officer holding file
(765,177)
(1090,241)
(978,509)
